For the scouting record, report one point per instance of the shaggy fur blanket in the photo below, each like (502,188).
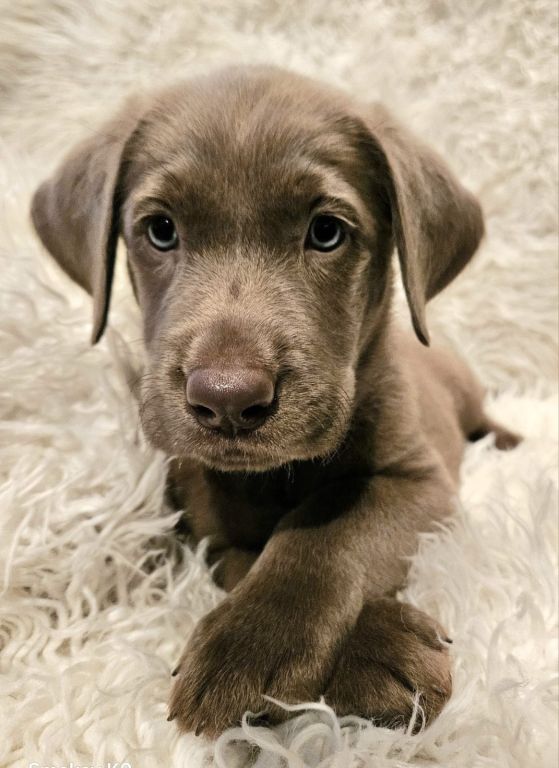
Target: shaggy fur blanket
(97,597)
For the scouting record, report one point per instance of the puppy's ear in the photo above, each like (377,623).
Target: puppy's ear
(437,224)
(76,212)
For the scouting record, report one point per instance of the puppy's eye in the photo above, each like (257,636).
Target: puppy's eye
(326,233)
(162,233)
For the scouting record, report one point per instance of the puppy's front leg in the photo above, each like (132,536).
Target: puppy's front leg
(282,629)
(232,565)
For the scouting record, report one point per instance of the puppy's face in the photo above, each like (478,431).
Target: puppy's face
(259,210)
(253,242)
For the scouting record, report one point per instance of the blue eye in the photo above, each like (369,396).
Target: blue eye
(162,233)
(326,233)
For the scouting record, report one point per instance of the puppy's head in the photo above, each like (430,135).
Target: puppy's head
(259,210)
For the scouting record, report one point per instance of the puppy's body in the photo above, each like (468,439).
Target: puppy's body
(417,413)
(311,440)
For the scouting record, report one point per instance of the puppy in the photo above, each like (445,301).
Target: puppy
(310,438)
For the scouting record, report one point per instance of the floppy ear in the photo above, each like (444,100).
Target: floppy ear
(437,224)
(76,212)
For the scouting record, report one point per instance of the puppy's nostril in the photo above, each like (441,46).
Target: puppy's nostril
(205,413)
(206,416)
(254,413)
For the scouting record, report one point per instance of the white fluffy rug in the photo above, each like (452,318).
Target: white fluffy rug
(97,599)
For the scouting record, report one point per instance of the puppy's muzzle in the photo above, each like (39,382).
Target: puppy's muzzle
(230,400)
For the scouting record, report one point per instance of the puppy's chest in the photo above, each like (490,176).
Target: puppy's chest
(249,507)
(244,509)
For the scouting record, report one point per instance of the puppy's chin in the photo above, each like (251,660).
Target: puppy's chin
(241,454)
(241,463)
(244,454)
(251,454)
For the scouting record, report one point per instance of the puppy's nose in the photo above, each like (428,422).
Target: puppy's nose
(230,400)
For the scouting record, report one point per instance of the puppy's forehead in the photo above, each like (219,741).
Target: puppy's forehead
(266,132)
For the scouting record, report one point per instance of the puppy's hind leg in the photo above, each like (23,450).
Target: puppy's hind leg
(505,439)
(477,423)
(474,421)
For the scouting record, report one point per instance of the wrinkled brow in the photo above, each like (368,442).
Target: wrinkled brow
(336,194)
(321,186)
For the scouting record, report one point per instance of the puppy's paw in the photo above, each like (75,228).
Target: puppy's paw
(394,652)
(505,440)
(238,653)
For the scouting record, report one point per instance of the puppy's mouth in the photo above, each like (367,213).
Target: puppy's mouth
(241,462)
(266,448)
(232,448)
